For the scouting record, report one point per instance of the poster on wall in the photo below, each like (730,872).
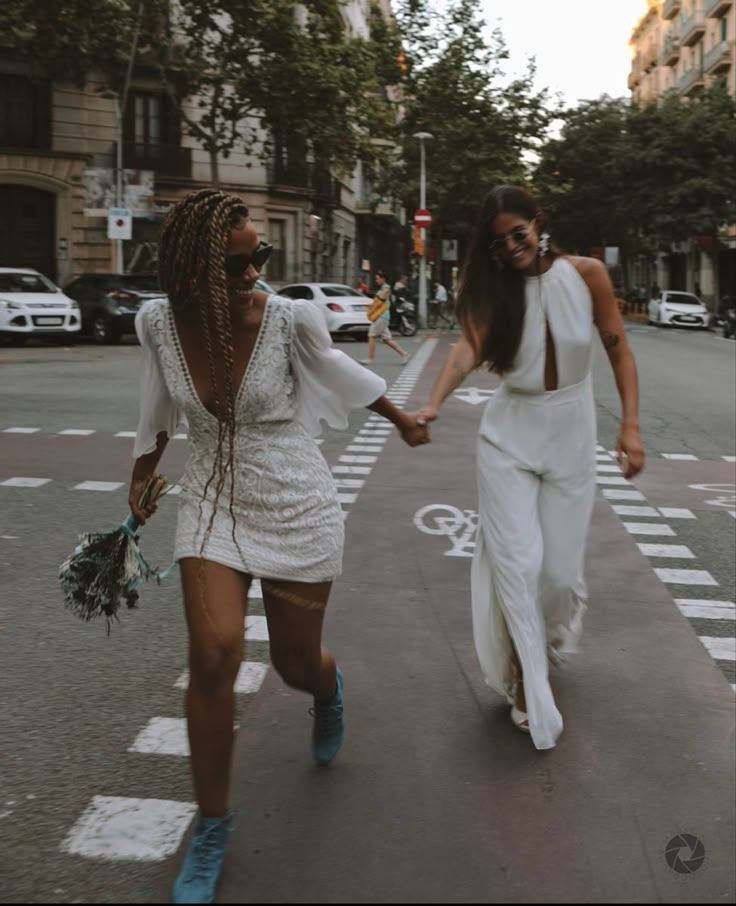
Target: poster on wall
(99,191)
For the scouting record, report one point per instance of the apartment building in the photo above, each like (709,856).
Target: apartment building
(685,46)
(58,173)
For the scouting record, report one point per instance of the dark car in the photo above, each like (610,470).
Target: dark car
(110,302)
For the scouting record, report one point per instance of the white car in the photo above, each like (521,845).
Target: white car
(677,308)
(31,305)
(343,307)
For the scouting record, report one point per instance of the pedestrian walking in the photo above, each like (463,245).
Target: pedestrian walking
(253,375)
(380,328)
(527,313)
(437,305)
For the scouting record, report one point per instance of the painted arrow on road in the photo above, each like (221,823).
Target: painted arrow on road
(473,395)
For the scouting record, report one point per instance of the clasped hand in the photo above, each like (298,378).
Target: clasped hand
(414,433)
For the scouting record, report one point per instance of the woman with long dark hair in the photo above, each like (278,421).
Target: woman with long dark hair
(528,313)
(253,375)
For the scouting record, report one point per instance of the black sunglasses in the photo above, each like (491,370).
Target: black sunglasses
(235,265)
(518,234)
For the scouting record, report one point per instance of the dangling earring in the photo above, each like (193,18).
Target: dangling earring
(544,244)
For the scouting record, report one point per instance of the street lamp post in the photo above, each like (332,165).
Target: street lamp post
(423,136)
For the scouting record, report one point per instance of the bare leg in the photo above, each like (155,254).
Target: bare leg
(396,348)
(371,348)
(215,602)
(295,613)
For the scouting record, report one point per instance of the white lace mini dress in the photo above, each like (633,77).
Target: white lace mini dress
(286,521)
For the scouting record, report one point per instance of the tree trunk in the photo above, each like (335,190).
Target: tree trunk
(214,167)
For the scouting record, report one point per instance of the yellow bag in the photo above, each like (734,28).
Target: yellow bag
(376,309)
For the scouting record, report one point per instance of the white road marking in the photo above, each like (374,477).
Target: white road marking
(20,430)
(163,736)
(120,828)
(722,649)
(255,591)
(607,468)
(256,628)
(673,512)
(729,458)
(623,510)
(351,470)
(250,676)
(611,479)
(684,456)
(702,609)
(685,576)
(98,486)
(349,482)
(81,432)
(347,498)
(620,494)
(125,434)
(366,459)
(677,551)
(648,528)
(24,482)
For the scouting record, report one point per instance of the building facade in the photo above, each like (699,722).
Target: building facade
(58,157)
(685,46)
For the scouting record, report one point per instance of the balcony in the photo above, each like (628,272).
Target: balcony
(164,160)
(633,80)
(693,29)
(692,82)
(714,9)
(304,178)
(670,53)
(650,57)
(718,58)
(671,8)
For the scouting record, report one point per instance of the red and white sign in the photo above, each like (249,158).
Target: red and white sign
(422,217)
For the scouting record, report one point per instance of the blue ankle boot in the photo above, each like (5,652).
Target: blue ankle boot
(200,870)
(328,726)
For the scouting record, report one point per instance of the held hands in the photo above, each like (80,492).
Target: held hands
(630,451)
(426,414)
(414,433)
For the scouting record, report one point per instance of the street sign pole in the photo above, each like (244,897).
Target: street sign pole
(422,136)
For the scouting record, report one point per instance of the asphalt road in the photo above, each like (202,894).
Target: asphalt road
(73,702)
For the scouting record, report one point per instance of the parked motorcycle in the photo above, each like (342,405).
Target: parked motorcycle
(405,312)
(729,323)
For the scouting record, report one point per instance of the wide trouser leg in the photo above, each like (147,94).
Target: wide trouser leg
(565,508)
(504,587)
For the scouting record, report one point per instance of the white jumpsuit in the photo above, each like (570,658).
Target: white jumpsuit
(536,485)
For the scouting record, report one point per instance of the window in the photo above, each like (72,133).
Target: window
(723,28)
(277,262)
(151,120)
(25,112)
(297,292)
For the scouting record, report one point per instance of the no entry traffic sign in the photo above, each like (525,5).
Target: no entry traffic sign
(422,217)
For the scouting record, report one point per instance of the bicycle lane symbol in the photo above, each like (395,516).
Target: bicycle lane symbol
(726,495)
(460,526)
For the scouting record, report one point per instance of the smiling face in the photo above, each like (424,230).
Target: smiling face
(515,242)
(243,241)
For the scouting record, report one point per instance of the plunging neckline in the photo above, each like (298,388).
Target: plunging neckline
(185,365)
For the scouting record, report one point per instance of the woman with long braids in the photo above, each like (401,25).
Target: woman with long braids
(253,375)
(527,313)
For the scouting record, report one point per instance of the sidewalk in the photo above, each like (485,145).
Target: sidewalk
(435,796)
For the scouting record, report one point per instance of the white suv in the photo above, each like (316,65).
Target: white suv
(31,305)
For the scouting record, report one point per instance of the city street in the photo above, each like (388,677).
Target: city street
(435,797)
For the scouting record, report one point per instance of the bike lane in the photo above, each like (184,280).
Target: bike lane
(435,795)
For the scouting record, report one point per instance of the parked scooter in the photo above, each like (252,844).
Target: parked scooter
(405,312)
(729,323)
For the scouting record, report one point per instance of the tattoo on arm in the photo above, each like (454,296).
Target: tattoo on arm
(610,340)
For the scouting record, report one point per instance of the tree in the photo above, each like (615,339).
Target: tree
(483,127)
(68,39)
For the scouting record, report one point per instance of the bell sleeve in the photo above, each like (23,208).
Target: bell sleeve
(157,411)
(328,383)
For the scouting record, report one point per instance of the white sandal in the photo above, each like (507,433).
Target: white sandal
(520,719)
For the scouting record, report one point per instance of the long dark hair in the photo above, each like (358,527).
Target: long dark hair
(491,301)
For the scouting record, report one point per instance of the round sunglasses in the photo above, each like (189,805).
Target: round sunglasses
(235,265)
(519,234)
